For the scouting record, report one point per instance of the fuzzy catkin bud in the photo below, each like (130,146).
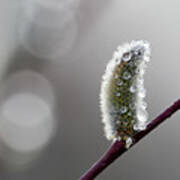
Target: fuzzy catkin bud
(122,92)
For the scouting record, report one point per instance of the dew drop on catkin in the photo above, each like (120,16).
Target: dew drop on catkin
(122,92)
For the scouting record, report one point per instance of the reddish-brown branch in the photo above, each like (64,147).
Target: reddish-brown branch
(118,147)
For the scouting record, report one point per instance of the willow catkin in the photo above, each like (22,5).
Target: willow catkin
(122,92)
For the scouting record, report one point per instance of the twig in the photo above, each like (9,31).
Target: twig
(118,147)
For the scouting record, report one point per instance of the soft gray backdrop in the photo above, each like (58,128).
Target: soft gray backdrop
(76,78)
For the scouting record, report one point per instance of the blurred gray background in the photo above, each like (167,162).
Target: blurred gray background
(75,76)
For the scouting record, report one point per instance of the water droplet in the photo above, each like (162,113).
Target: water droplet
(113,114)
(118,122)
(146,58)
(123,109)
(142,115)
(138,51)
(142,93)
(132,89)
(120,82)
(118,94)
(126,75)
(116,76)
(139,127)
(140,71)
(143,105)
(119,138)
(132,106)
(125,123)
(117,60)
(137,71)
(127,56)
(140,81)
(129,142)
(133,121)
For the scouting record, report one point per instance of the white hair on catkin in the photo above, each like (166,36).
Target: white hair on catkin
(122,91)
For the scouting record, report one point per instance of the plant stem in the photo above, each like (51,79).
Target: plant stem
(118,147)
